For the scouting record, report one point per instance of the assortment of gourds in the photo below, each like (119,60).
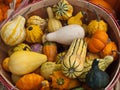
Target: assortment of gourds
(57,52)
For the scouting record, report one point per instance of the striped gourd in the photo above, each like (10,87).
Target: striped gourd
(63,10)
(73,62)
(13,32)
(103,64)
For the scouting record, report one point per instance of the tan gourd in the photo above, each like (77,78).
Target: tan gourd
(13,32)
(53,23)
(23,62)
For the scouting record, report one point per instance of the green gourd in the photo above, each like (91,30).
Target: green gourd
(96,78)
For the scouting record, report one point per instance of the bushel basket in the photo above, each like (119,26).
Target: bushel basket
(39,8)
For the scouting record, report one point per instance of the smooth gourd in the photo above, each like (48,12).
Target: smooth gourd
(23,62)
(66,34)
(53,23)
(13,32)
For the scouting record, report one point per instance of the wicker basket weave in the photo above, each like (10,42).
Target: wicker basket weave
(38,8)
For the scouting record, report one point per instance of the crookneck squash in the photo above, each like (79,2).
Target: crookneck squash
(63,10)
(73,61)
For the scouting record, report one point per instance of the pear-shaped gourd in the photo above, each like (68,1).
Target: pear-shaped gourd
(13,32)
(23,62)
(66,34)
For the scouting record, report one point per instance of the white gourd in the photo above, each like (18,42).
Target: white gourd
(66,34)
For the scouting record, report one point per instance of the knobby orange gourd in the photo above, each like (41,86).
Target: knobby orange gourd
(98,41)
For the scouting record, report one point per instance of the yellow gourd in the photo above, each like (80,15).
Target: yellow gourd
(5,64)
(76,19)
(13,32)
(53,23)
(33,34)
(23,62)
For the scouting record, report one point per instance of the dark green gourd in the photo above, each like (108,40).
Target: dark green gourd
(96,78)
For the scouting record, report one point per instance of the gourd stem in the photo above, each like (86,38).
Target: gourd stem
(50,12)
(95,64)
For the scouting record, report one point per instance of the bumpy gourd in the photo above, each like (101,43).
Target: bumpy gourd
(34,34)
(36,20)
(63,10)
(103,65)
(13,32)
(95,25)
(19,47)
(96,78)
(53,23)
(73,62)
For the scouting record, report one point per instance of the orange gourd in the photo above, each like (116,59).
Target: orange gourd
(110,49)
(61,82)
(30,81)
(50,50)
(98,41)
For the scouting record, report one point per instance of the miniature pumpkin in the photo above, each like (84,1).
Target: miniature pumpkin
(33,34)
(98,41)
(50,50)
(30,81)
(110,49)
(36,20)
(59,81)
(63,10)
(13,32)
(19,47)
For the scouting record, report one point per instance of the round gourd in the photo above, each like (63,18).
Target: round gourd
(33,34)
(63,10)
(98,41)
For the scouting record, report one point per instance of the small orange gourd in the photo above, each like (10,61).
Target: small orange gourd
(59,81)
(50,50)
(110,49)
(30,81)
(98,41)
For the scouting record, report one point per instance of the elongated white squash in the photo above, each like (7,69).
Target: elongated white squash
(66,34)
(23,62)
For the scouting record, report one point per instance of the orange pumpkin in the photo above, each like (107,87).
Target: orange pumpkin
(98,41)
(30,81)
(50,49)
(110,49)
